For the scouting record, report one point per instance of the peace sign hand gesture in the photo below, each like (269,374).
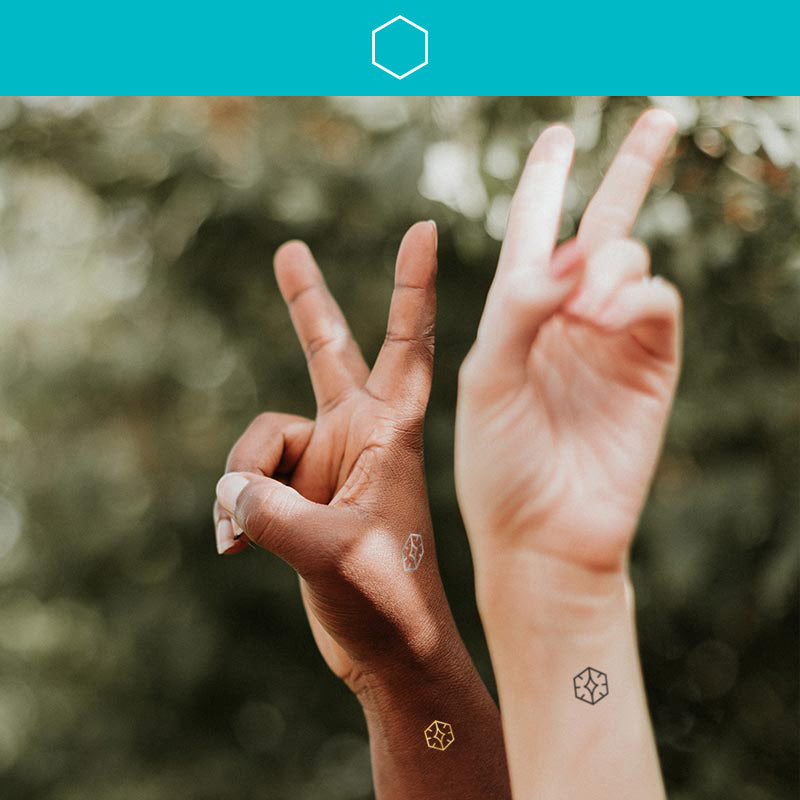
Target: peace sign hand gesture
(342,498)
(564,396)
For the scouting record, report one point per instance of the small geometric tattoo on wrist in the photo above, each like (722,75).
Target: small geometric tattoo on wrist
(439,735)
(591,685)
(413,550)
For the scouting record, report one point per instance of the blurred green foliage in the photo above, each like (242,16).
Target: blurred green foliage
(141,330)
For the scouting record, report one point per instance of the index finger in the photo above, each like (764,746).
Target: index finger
(612,211)
(525,291)
(335,363)
(535,214)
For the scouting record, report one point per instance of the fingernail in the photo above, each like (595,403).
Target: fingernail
(660,117)
(435,234)
(661,126)
(225,537)
(238,530)
(560,142)
(229,488)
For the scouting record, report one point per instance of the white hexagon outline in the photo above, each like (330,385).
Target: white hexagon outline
(422,548)
(386,25)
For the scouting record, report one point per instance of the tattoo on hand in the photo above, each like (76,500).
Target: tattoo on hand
(439,735)
(413,550)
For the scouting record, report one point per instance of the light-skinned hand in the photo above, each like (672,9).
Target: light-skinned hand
(564,396)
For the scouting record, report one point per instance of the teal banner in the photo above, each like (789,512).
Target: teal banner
(400,48)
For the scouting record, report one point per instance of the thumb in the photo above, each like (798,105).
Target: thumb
(278,518)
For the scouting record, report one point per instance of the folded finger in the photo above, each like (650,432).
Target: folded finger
(614,263)
(650,310)
(272,444)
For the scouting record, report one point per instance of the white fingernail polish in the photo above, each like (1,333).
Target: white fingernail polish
(225,538)
(229,488)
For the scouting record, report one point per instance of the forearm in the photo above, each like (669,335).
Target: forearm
(434,730)
(569,733)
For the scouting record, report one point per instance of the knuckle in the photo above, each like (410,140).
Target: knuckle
(407,434)
(303,292)
(424,351)
(260,512)
(258,425)
(390,445)
(421,345)
(427,342)
(234,462)
(262,420)
(336,342)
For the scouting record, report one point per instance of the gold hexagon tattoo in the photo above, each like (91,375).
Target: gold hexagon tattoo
(439,735)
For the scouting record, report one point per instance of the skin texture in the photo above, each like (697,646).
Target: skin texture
(562,405)
(337,497)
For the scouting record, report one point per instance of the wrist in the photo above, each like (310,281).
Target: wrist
(436,657)
(549,594)
(424,706)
